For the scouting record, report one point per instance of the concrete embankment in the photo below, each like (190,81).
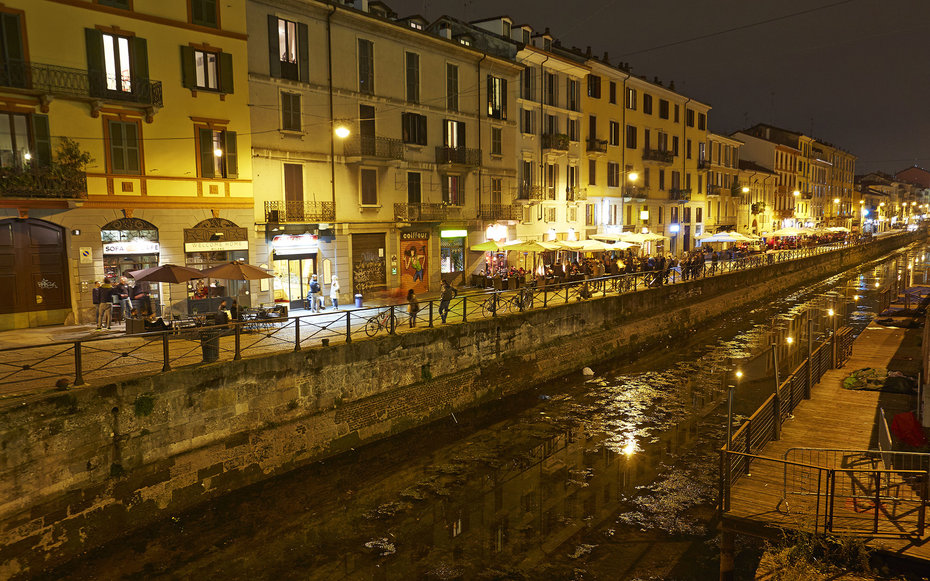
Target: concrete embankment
(79,468)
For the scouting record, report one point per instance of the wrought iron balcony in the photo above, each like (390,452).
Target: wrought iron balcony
(807,195)
(659,155)
(757,207)
(703,164)
(576,194)
(42,182)
(67,82)
(528,192)
(557,141)
(458,155)
(374,147)
(500,212)
(299,212)
(426,212)
(715,190)
(597,146)
(679,194)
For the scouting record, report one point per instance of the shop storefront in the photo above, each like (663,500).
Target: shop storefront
(452,244)
(368,264)
(211,243)
(295,260)
(33,268)
(130,244)
(414,263)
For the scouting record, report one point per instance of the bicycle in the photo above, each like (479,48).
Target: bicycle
(386,320)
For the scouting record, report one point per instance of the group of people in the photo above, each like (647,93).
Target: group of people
(106,295)
(315,294)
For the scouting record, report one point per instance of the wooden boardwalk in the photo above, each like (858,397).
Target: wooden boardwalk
(768,499)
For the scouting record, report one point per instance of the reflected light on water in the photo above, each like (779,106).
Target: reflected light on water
(629,448)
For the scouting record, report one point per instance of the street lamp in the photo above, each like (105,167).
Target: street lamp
(629,175)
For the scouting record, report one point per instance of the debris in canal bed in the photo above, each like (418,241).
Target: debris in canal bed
(581,551)
(387,510)
(381,546)
(587,372)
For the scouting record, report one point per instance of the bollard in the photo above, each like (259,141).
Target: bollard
(430,314)
(166,365)
(391,321)
(297,334)
(238,354)
(348,326)
(78,365)
(464,309)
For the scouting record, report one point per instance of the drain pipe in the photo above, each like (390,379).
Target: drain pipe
(480,152)
(332,118)
(542,117)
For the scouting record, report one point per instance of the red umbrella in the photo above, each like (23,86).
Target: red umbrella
(236,271)
(166,273)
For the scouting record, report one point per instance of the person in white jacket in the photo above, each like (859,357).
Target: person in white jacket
(334,292)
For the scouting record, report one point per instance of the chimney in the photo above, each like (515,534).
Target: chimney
(445,30)
(657,81)
(587,52)
(606,59)
(363,5)
(671,85)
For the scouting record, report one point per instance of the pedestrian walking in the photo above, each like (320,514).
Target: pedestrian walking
(413,307)
(446,295)
(334,292)
(122,291)
(102,296)
(316,295)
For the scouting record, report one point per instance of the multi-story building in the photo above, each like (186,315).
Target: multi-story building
(757,186)
(118,155)
(724,196)
(429,119)
(771,149)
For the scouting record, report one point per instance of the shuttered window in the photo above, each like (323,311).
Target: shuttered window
(12,59)
(290,112)
(219,154)
(206,71)
(204,13)
(288,49)
(116,64)
(366,67)
(413,76)
(414,128)
(124,147)
(368,179)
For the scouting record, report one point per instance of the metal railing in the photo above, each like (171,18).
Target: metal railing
(679,194)
(70,82)
(42,182)
(374,147)
(426,212)
(597,145)
(294,211)
(576,194)
(660,155)
(557,141)
(458,155)
(528,192)
(500,212)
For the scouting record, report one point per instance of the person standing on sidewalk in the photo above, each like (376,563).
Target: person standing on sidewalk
(334,292)
(122,291)
(102,298)
(413,307)
(316,296)
(447,294)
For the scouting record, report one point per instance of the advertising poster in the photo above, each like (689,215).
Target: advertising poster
(414,262)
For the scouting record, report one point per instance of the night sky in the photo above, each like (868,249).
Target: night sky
(854,73)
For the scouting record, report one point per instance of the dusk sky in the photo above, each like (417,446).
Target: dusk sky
(854,73)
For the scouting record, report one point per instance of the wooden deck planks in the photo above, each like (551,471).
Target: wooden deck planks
(833,418)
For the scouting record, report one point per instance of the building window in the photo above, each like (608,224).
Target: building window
(631,137)
(290,111)
(288,47)
(614,133)
(526,122)
(647,103)
(496,141)
(413,128)
(497,97)
(125,147)
(592,172)
(452,87)
(663,109)
(294,183)
(496,189)
(506,29)
(675,145)
(204,13)
(452,193)
(413,77)
(572,95)
(218,153)
(689,117)
(573,130)
(528,76)
(368,182)
(631,99)
(613,175)
(702,122)
(414,187)
(594,86)
(203,70)
(549,214)
(677,116)
(118,66)
(552,90)
(662,180)
(688,148)
(15,146)
(116,3)
(613,93)
(366,67)
(453,133)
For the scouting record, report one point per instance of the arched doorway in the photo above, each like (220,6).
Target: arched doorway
(210,243)
(130,244)
(33,267)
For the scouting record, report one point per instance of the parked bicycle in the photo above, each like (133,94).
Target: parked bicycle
(385,320)
(499,304)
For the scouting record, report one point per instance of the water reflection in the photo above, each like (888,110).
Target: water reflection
(612,476)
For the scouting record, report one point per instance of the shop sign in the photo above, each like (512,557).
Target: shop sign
(216,246)
(453,233)
(291,244)
(131,247)
(414,235)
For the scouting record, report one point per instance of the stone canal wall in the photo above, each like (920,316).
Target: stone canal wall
(78,468)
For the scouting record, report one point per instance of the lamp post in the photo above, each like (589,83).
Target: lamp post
(836,210)
(629,175)
(731,388)
(745,190)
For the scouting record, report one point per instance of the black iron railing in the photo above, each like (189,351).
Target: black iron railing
(679,194)
(597,145)
(557,141)
(659,155)
(426,212)
(69,82)
(528,192)
(500,212)
(373,146)
(290,211)
(576,194)
(458,155)
(42,182)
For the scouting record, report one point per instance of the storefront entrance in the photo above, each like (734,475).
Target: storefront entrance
(130,244)
(211,243)
(295,261)
(33,267)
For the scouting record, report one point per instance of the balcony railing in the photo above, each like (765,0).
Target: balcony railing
(500,212)
(679,194)
(576,194)
(42,182)
(703,164)
(715,190)
(557,141)
(68,82)
(426,212)
(597,145)
(757,207)
(528,192)
(374,147)
(299,212)
(458,155)
(659,155)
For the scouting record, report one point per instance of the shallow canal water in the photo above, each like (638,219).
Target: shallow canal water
(612,476)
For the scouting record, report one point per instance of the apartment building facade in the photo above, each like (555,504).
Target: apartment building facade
(724,195)
(114,158)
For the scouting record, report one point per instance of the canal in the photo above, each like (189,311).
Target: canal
(610,475)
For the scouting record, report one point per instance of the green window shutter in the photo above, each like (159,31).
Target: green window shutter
(461,133)
(132,147)
(206,153)
(232,155)
(117,148)
(95,71)
(140,60)
(43,139)
(490,90)
(188,68)
(503,98)
(421,128)
(274,51)
(226,72)
(203,12)
(303,53)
